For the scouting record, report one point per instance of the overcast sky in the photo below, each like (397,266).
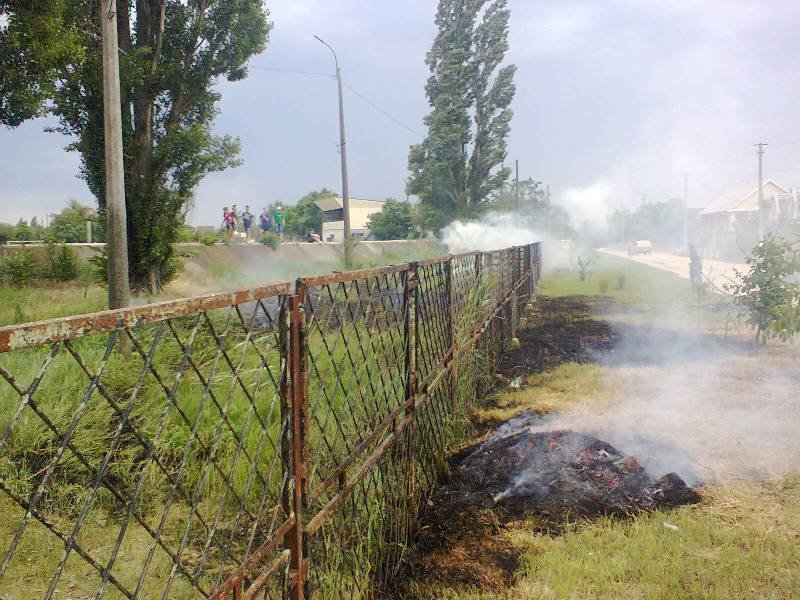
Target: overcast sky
(615,99)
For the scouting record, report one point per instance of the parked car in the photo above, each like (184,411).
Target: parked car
(640,247)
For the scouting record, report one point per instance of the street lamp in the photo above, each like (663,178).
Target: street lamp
(343,149)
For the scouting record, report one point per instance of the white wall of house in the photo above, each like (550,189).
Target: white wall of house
(360,211)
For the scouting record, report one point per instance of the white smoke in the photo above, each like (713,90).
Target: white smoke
(588,203)
(493,232)
(705,407)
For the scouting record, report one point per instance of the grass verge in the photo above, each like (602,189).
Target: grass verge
(741,542)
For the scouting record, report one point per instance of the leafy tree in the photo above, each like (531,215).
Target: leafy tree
(459,163)
(659,222)
(7,232)
(22,232)
(534,210)
(305,215)
(69,226)
(393,222)
(172,53)
(767,292)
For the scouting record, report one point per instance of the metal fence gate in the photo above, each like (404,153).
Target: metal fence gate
(272,442)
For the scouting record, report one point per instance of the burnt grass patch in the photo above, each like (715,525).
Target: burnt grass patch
(462,539)
(560,329)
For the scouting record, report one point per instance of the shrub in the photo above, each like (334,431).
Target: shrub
(185,234)
(621,280)
(603,281)
(271,239)
(766,293)
(208,239)
(63,262)
(20,268)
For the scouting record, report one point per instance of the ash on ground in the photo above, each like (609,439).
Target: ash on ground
(561,473)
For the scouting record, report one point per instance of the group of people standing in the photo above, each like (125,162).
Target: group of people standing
(235,222)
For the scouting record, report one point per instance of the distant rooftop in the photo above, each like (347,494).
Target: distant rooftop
(334,202)
(743,198)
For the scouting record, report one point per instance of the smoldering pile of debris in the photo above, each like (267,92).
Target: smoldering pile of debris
(562,474)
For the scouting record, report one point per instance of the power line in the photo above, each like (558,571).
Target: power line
(383,112)
(293,71)
(389,116)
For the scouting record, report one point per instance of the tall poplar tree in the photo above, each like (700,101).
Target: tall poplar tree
(460,162)
(172,53)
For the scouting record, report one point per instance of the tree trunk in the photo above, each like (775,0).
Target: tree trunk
(144,262)
(154,278)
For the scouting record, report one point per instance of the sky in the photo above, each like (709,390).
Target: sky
(615,101)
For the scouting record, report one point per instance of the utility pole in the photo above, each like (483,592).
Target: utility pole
(686,211)
(644,199)
(516,185)
(117,246)
(348,243)
(760,147)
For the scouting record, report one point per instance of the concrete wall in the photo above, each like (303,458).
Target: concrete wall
(83,251)
(226,267)
(220,267)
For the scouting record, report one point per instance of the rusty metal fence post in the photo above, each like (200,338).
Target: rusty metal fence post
(298,356)
(410,324)
(448,273)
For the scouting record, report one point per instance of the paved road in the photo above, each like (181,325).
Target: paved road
(717,271)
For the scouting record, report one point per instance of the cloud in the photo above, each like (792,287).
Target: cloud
(551,29)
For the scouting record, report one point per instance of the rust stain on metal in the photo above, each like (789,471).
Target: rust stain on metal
(346,276)
(16,337)
(238,576)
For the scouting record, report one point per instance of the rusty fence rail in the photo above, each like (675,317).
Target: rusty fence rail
(273,442)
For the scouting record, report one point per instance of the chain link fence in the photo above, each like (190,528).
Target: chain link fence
(274,442)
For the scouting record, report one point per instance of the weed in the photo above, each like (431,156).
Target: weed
(271,240)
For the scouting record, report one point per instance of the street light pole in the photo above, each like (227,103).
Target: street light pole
(761,219)
(348,247)
(686,211)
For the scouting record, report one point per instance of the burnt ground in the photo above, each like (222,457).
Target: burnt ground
(460,539)
(561,329)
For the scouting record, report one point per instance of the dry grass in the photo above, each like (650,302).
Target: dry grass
(552,391)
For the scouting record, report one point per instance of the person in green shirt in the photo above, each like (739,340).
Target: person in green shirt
(279,222)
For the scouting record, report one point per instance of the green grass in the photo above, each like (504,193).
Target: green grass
(627,282)
(365,535)
(742,543)
(35,303)
(643,294)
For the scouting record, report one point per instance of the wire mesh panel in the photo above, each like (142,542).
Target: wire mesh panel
(356,337)
(433,333)
(258,442)
(142,451)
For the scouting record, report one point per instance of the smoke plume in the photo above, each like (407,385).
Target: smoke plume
(706,407)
